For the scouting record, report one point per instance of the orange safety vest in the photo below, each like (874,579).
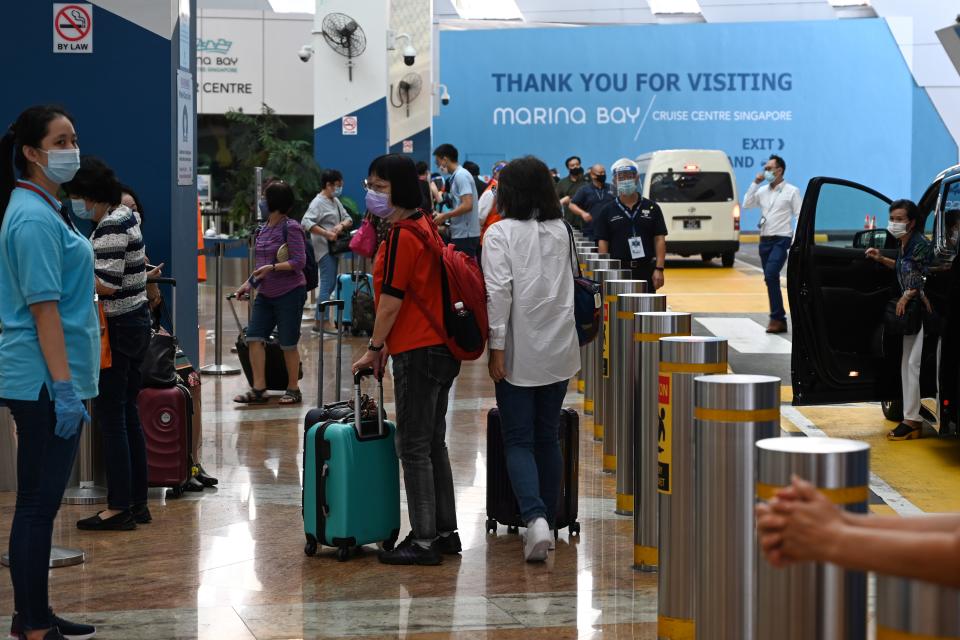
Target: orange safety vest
(494,216)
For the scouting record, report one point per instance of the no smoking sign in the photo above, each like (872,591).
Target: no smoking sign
(72,28)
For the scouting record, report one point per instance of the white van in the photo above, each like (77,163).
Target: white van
(697,191)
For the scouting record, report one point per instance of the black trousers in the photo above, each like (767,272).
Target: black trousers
(642,270)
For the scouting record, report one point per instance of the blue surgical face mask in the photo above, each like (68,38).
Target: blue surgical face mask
(378,204)
(768,176)
(62,164)
(80,209)
(337,192)
(626,187)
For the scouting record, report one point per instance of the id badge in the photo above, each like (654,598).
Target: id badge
(636,248)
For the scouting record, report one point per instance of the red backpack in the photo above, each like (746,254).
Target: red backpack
(464,298)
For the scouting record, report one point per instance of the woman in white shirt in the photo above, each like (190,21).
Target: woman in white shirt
(533,338)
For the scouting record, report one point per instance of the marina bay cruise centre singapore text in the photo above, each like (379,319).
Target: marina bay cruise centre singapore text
(647,86)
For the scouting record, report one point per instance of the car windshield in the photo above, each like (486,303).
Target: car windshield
(699,186)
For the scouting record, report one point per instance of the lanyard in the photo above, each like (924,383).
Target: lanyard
(23,184)
(631,215)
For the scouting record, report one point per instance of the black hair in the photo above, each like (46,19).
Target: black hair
(136,199)
(779,162)
(329,176)
(400,171)
(422,168)
(447,151)
(279,197)
(911,209)
(30,128)
(526,189)
(566,162)
(472,168)
(95,181)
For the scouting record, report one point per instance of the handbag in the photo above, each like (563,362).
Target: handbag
(339,246)
(159,369)
(106,355)
(364,241)
(909,323)
(587,301)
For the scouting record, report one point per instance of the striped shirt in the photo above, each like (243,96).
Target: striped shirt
(120,261)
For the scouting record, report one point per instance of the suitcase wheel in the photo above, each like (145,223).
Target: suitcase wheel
(176,492)
(311,547)
(513,530)
(574,529)
(343,554)
(491,525)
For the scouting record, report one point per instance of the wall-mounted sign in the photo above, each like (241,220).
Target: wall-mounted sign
(186,124)
(72,28)
(349,125)
(408,146)
(185,39)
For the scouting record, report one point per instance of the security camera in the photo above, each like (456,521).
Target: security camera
(409,52)
(409,55)
(305,53)
(445,95)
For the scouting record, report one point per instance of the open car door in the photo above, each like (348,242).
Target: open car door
(838,296)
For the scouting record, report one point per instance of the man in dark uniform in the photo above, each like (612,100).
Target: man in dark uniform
(631,228)
(568,187)
(591,198)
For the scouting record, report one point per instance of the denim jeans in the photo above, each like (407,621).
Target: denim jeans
(422,379)
(124,448)
(327,266)
(469,246)
(44,463)
(285,313)
(530,425)
(773,255)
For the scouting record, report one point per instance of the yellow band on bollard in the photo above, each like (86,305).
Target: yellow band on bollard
(682,367)
(587,404)
(655,337)
(610,298)
(886,633)
(624,503)
(588,274)
(845,495)
(625,315)
(737,415)
(646,556)
(676,628)
(598,431)
(609,463)
(581,385)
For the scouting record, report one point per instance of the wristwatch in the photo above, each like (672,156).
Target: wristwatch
(370,346)
(658,268)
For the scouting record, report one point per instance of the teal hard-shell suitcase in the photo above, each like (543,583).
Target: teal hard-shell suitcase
(351,482)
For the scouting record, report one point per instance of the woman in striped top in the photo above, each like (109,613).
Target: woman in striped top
(121,281)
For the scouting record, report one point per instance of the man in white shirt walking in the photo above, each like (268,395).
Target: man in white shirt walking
(779,204)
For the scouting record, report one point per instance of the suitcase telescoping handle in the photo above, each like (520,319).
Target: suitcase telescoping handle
(233,310)
(172,313)
(338,304)
(357,414)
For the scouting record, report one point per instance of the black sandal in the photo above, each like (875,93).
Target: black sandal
(254,396)
(903,431)
(292,396)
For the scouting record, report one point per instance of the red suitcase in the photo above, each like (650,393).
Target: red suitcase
(502,505)
(166,416)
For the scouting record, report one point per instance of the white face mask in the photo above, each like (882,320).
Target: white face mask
(897,229)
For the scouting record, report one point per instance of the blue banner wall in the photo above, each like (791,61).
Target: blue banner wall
(833,98)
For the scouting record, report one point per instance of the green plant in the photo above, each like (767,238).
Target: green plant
(258,141)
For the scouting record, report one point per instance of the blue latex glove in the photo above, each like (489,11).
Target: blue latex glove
(69,409)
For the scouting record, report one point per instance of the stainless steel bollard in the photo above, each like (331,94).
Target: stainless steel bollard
(731,413)
(88,467)
(682,359)
(648,329)
(615,349)
(218,368)
(588,362)
(585,249)
(601,408)
(626,381)
(813,601)
(915,610)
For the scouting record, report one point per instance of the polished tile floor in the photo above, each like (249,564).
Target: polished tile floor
(229,563)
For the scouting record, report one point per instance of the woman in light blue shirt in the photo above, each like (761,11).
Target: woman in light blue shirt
(50,344)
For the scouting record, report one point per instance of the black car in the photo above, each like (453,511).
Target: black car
(838,297)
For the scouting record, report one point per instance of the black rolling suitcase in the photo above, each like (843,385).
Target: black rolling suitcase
(502,507)
(275,367)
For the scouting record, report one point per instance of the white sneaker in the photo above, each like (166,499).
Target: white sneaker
(536,542)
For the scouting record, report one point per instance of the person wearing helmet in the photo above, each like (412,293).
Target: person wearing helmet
(631,228)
